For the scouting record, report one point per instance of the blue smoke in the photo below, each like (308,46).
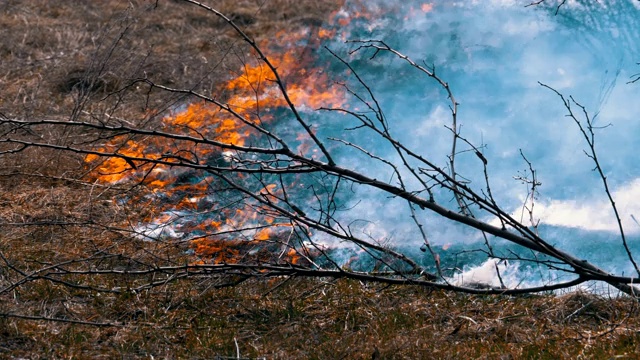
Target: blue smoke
(493,54)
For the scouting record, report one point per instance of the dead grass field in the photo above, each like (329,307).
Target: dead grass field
(56,60)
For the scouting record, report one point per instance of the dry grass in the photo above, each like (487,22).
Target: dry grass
(49,48)
(335,320)
(51,66)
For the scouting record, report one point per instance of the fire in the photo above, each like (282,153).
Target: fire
(225,230)
(427,7)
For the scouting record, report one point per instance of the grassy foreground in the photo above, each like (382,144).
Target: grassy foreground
(304,319)
(47,49)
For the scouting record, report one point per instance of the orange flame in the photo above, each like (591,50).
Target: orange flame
(254,95)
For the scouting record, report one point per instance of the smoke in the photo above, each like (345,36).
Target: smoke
(493,54)
(492,273)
